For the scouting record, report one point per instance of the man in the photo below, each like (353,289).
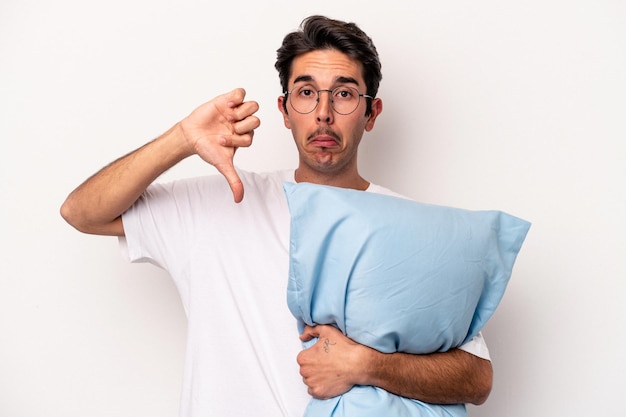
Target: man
(229,259)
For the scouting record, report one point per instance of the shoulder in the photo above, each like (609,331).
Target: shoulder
(374,188)
(270,178)
(217,183)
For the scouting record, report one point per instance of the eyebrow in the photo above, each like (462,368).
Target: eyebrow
(338,80)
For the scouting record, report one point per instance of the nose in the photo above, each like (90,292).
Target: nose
(324,108)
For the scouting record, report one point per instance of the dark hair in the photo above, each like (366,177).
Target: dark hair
(319,32)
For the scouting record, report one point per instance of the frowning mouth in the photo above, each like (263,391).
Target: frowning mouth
(324,138)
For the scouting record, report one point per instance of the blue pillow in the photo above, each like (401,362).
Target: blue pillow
(394,274)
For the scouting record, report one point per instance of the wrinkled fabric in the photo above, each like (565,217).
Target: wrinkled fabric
(395,275)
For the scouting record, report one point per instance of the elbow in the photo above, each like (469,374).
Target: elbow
(481,397)
(483,382)
(69,214)
(78,217)
(72,214)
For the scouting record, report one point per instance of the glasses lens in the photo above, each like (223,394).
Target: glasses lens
(304,99)
(345,99)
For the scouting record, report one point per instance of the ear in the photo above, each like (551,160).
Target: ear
(281,107)
(377,108)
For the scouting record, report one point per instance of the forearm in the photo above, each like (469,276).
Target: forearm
(336,363)
(443,378)
(97,204)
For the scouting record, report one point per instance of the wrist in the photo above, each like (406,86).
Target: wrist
(368,363)
(182,146)
(165,151)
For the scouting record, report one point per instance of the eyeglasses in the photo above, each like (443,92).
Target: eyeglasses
(343,99)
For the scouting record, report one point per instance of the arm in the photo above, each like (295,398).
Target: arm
(335,363)
(213,131)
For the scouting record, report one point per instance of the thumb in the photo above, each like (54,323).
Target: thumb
(236,186)
(309,332)
(235,97)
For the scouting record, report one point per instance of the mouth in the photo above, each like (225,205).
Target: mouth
(324,139)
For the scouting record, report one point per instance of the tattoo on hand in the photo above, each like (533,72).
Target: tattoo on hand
(328,344)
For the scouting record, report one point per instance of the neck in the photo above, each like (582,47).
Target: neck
(347,180)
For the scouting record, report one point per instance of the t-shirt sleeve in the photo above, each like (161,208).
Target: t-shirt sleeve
(130,243)
(167,221)
(140,242)
(477,347)
(159,227)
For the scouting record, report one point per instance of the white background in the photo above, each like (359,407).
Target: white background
(510,105)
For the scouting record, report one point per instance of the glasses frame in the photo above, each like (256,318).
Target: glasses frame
(287,94)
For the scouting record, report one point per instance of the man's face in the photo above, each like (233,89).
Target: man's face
(327,141)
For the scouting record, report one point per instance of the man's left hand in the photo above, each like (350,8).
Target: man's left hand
(331,366)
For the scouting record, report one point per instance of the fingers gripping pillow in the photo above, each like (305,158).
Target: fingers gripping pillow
(394,274)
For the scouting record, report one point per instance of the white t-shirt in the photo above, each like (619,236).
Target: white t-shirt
(230,264)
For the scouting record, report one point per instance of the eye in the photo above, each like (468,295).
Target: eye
(344,93)
(306,92)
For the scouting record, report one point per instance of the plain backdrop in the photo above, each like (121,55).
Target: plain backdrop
(510,105)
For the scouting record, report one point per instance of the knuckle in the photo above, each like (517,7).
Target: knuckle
(301,359)
(317,392)
(227,141)
(246,140)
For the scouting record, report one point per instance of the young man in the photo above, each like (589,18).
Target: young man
(229,259)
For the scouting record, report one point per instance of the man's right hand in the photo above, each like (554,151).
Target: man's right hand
(217,128)
(213,131)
